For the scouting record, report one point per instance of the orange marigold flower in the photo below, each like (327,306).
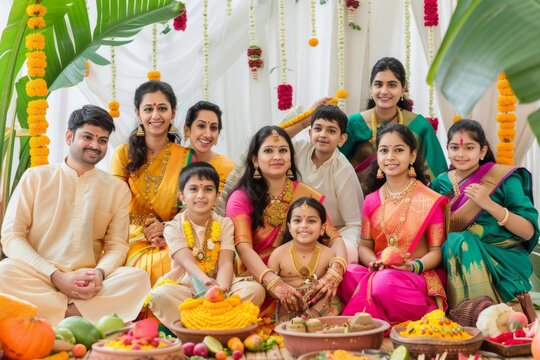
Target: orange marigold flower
(36,10)
(33,119)
(505,146)
(36,23)
(39,151)
(503,84)
(36,63)
(38,55)
(38,160)
(39,141)
(506,125)
(506,100)
(456,117)
(114,105)
(154,75)
(114,113)
(313,42)
(87,65)
(36,72)
(505,160)
(342,94)
(506,108)
(35,42)
(502,76)
(506,91)
(506,118)
(36,87)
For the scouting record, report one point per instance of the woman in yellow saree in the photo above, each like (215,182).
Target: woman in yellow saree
(151,164)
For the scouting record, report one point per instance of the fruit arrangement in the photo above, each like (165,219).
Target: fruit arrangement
(339,355)
(435,324)
(144,335)
(215,312)
(212,347)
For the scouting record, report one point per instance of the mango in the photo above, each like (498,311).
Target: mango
(392,255)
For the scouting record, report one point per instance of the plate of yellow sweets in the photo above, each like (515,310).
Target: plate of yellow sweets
(434,334)
(215,315)
(344,355)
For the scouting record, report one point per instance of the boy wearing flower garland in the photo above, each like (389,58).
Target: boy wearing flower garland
(201,245)
(320,164)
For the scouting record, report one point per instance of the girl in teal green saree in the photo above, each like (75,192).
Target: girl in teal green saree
(493,222)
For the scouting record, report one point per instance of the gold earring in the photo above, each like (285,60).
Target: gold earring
(412,172)
(402,98)
(380,174)
(140,130)
(290,174)
(172,129)
(256,173)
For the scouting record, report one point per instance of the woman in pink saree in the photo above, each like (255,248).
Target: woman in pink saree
(401,212)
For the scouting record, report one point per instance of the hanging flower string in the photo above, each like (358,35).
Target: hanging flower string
(36,87)
(254,52)
(352,6)
(180,22)
(154,74)
(114,105)
(431,20)
(341,94)
(313,41)
(406,11)
(206,74)
(506,105)
(284,90)
(229,7)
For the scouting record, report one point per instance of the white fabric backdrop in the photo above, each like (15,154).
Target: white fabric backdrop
(248,104)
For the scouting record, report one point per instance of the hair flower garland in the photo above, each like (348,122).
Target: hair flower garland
(254,52)
(284,90)
(506,105)
(180,22)
(36,88)
(352,6)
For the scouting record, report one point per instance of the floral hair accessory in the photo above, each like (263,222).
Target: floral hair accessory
(275,136)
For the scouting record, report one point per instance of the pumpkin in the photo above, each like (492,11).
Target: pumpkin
(10,306)
(26,338)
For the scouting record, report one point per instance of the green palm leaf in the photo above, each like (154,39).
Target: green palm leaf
(484,38)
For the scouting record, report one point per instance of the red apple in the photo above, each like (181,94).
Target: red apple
(214,294)
(237,354)
(188,348)
(392,255)
(201,350)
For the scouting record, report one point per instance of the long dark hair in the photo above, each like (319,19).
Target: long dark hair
(408,138)
(257,189)
(476,132)
(137,150)
(311,202)
(396,67)
(193,111)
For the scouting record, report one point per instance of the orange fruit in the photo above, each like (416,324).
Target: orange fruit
(79,350)
(221,355)
(237,346)
(232,341)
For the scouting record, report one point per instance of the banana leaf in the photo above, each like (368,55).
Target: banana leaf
(485,38)
(70,41)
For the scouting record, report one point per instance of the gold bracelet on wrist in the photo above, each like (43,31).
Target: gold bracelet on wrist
(341,261)
(272,284)
(264,273)
(334,274)
(506,218)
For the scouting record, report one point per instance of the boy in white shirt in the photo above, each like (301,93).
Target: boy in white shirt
(320,164)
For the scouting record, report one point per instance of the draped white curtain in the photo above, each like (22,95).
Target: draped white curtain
(247,104)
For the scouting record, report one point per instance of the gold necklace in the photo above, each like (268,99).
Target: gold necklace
(276,210)
(397,197)
(155,181)
(392,238)
(375,122)
(306,272)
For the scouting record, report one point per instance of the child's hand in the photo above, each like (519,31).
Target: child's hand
(376,265)
(479,194)
(210,282)
(288,296)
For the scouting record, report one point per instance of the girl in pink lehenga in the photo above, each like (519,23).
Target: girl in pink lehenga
(402,212)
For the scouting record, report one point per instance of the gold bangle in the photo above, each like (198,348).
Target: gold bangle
(334,274)
(339,260)
(264,273)
(504,221)
(272,284)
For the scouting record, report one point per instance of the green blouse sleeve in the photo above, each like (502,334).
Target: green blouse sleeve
(357,133)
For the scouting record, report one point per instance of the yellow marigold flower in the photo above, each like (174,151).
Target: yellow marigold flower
(38,127)
(503,84)
(36,72)
(87,65)
(505,146)
(313,42)
(39,141)
(506,108)
(506,100)
(33,119)
(36,63)
(38,55)
(36,10)
(505,160)
(38,160)
(40,104)
(36,23)
(36,87)
(506,91)
(507,133)
(506,118)
(342,94)
(35,42)
(154,75)
(114,105)
(506,125)
(502,76)
(456,117)
(39,151)
(114,113)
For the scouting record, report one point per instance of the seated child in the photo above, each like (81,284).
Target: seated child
(201,245)
(302,259)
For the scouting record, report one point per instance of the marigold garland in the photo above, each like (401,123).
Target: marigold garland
(456,117)
(36,88)
(154,74)
(114,106)
(87,66)
(313,41)
(352,6)
(506,105)
(254,52)
(284,90)
(210,244)
(304,115)
(341,52)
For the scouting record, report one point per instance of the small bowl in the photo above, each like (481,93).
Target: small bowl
(371,355)
(197,336)
(173,352)
(301,343)
(432,346)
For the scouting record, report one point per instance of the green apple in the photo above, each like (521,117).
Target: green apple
(108,323)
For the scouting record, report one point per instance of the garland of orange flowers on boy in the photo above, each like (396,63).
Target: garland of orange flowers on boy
(206,259)
(36,87)
(506,105)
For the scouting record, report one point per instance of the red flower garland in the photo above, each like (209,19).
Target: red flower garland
(434,122)
(180,22)
(255,61)
(431,13)
(285,92)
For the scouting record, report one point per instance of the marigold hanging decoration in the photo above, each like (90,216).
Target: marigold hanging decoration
(313,41)
(284,90)
(306,114)
(254,52)
(180,22)
(352,6)
(114,105)
(506,105)
(341,55)
(206,74)
(87,66)
(456,118)
(154,74)
(36,88)
(431,20)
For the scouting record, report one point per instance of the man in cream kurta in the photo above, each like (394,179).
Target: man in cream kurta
(65,232)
